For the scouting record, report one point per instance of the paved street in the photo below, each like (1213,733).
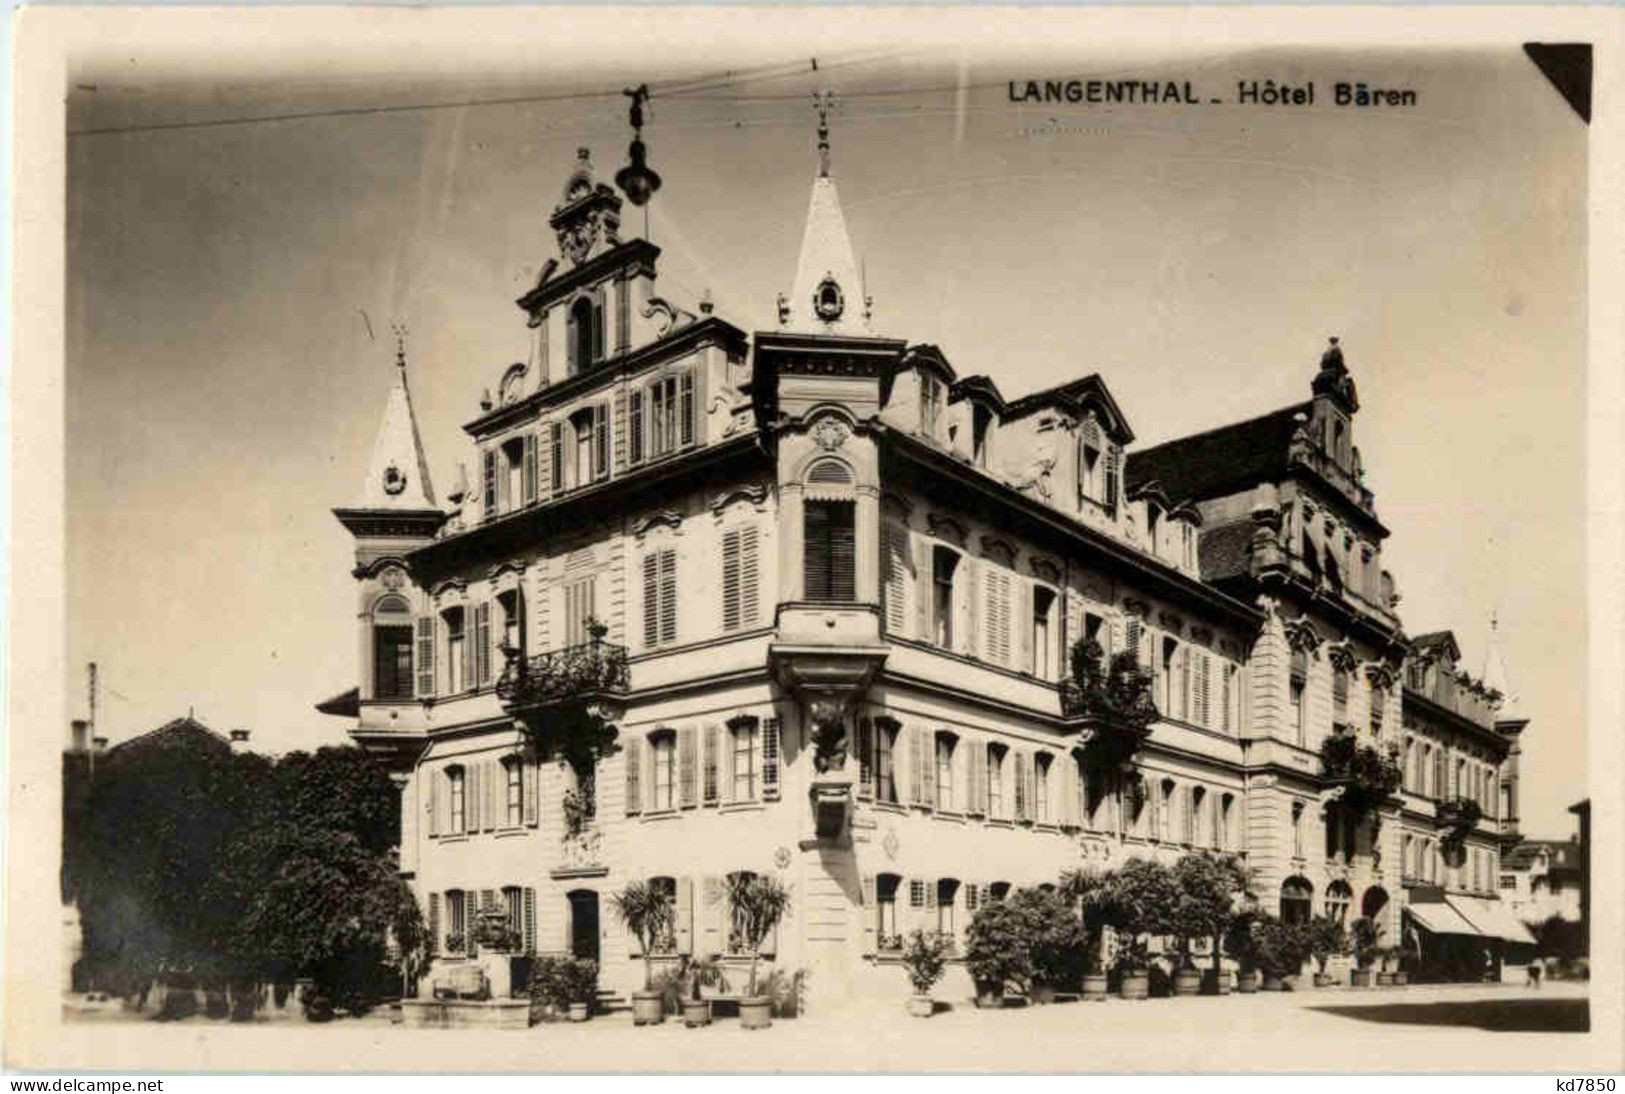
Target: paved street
(1488,1028)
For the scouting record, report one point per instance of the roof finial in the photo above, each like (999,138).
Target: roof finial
(823,102)
(399,327)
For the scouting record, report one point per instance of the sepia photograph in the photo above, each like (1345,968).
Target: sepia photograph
(864,543)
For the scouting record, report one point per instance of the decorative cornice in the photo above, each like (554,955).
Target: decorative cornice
(1301,634)
(1380,675)
(514,565)
(1045,569)
(668,517)
(1341,656)
(946,527)
(754,493)
(377,566)
(998,545)
(451,584)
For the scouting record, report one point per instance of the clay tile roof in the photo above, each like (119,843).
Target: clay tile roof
(1220,461)
(1226,550)
(181,733)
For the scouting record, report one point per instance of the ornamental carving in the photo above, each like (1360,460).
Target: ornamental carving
(1380,675)
(1341,657)
(831,433)
(1045,570)
(1301,635)
(944,527)
(394,479)
(394,578)
(998,549)
(669,518)
(673,316)
(755,494)
(1138,608)
(1171,622)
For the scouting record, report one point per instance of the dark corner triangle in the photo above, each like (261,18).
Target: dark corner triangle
(1568,67)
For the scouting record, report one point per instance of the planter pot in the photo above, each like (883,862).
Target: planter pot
(579,1012)
(1360,978)
(696,1013)
(1273,983)
(1246,983)
(1323,979)
(756,1012)
(1041,993)
(1385,979)
(1215,982)
(1094,986)
(1401,978)
(989,998)
(1136,985)
(648,1008)
(920,1006)
(1187,981)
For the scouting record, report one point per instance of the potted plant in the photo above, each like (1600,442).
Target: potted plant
(1278,951)
(1143,896)
(1133,968)
(757,904)
(1207,891)
(581,988)
(702,972)
(924,963)
(1387,957)
(1325,938)
(1054,936)
(646,911)
(1364,936)
(1092,893)
(1238,943)
(996,951)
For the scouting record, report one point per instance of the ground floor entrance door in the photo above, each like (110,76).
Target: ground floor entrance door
(583,923)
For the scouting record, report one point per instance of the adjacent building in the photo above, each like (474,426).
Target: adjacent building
(820,589)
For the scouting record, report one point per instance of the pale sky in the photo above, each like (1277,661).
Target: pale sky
(224,392)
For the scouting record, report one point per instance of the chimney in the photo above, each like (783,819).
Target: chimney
(100,744)
(80,740)
(239,740)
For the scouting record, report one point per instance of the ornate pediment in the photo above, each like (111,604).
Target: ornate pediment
(1341,655)
(668,518)
(1301,635)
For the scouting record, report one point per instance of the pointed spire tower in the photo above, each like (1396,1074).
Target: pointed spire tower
(1510,722)
(397,499)
(829,295)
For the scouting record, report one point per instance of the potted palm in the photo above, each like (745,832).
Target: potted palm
(1364,935)
(757,904)
(1092,893)
(647,913)
(702,972)
(1326,938)
(923,960)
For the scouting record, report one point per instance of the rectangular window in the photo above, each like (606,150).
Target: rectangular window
(1090,469)
(943,564)
(1041,766)
(392,662)
(457,919)
(512,488)
(665,760)
(660,597)
(829,551)
(1300,712)
(886,910)
(981,420)
(945,771)
(744,757)
(930,404)
(1340,701)
(1379,698)
(531,479)
(579,607)
(456,650)
(457,796)
(995,783)
(1043,645)
(885,764)
(740,578)
(513,770)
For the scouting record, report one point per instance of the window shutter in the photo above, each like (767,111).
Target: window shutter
(870,913)
(600,441)
(529,920)
(815,550)
(896,548)
(1023,624)
(713,910)
(651,599)
(978,777)
(528,472)
(555,447)
(471,798)
(634,426)
(730,580)
(924,591)
(488,496)
(668,595)
(530,788)
(990,579)
(1204,676)
(425,654)
(929,740)
(770,758)
(482,643)
(634,769)
(471,910)
(687,766)
(685,915)
(1113,458)
(749,576)
(1018,768)
(433,797)
(434,924)
(727,765)
(688,413)
(493,781)
(865,756)
(709,790)
(1227,678)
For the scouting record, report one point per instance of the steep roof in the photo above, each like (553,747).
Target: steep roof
(398,474)
(1220,461)
(826,255)
(1225,550)
(1561,854)
(1088,390)
(1438,642)
(179,734)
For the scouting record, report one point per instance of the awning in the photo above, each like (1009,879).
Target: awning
(1492,918)
(1441,919)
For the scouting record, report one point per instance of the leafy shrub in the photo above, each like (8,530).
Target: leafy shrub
(923,961)
(1279,948)
(787,991)
(1365,935)
(1055,938)
(1324,938)
(1118,696)
(997,950)
(556,982)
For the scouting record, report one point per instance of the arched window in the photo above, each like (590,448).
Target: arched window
(944,565)
(586,334)
(666,941)
(456,921)
(947,894)
(392,625)
(998,890)
(663,746)
(945,746)
(457,798)
(1297,897)
(829,534)
(1299,682)
(1338,898)
(886,933)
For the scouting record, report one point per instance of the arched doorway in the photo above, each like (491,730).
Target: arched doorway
(1338,899)
(583,923)
(1374,903)
(1297,900)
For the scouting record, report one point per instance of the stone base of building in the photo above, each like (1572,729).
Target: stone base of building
(466,1013)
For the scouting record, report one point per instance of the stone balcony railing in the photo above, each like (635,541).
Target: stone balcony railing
(572,674)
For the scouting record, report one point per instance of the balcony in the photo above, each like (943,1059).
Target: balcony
(591,673)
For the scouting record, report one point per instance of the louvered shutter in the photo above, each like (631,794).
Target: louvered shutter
(528,474)
(865,756)
(531,789)
(896,548)
(633,758)
(709,786)
(685,915)
(600,441)
(924,593)
(730,580)
(668,596)
(870,913)
(482,643)
(471,911)
(555,456)
(843,557)
(749,576)
(1018,782)
(432,779)
(434,924)
(634,426)
(815,550)
(530,920)
(991,602)
(688,408)
(687,763)
(978,776)
(494,782)
(425,655)
(469,680)
(713,910)
(471,798)
(651,599)
(488,496)
(1023,624)
(727,765)
(770,758)
(1227,679)
(966,598)
(1113,475)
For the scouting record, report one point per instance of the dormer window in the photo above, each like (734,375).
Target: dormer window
(930,404)
(981,419)
(1153,525)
